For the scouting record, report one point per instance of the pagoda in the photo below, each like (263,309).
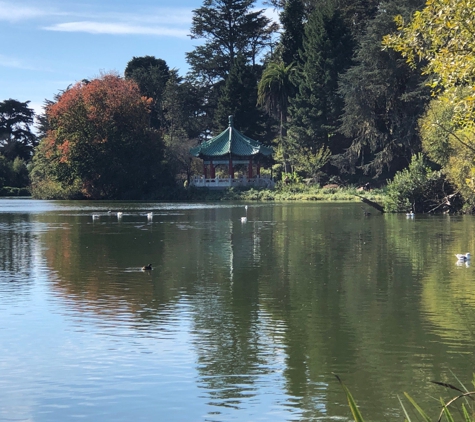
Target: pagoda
(229,149)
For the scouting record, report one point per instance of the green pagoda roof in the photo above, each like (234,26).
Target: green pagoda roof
(230,141)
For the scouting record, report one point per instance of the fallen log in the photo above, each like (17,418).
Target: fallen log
(373,204)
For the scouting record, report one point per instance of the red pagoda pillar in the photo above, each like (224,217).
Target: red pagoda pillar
(205,170)
(231,170)
(212,170)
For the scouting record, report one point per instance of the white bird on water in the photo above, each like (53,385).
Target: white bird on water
(150,215)
(95,216)
(463,257)
(119,214)
(244,219)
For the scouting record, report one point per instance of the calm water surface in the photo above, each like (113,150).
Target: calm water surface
(237,321)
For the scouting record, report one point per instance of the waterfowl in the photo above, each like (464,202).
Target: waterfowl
(366,213)
(95,216)
(463,257)
(150,215)
(119,214)
(244,219)
(410,214)
(147,267)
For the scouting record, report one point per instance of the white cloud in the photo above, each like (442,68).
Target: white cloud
(168,16)
(38,108)
(13,12)
(116,29)
(166,21)
(6,61)
(272,13)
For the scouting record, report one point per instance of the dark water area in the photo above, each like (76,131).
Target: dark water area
(237,321)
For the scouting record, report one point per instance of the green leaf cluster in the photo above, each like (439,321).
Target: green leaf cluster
(417,188)
(441,38)
(450,144)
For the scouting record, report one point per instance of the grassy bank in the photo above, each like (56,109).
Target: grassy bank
(295,192)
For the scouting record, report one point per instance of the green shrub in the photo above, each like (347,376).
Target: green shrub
(420,189)
(14,191)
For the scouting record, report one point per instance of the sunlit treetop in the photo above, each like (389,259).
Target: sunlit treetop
(441,37)
(103,101)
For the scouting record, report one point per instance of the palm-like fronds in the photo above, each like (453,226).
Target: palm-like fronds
(275,88)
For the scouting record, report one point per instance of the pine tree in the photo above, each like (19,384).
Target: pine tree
(239,98)
(316,109)
(230,28)
(151,75)
(16,136)
(291,39)
(384,98)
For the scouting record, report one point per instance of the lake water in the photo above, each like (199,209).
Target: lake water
(236,321)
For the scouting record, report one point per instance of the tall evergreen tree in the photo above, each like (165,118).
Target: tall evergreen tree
(291,39)
(316,109)
(239,98)
(230,28)
(355,13)
(151,75)
(384,98)
(179,125)
(16,136)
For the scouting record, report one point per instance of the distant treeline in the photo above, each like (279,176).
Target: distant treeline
(346,92)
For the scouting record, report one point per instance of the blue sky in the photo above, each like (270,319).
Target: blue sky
(48,45)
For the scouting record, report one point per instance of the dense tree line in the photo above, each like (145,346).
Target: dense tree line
(17,142)
(342,89)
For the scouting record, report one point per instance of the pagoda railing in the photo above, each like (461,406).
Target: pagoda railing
(228,182)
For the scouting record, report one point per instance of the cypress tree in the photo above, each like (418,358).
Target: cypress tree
(230,28)
(239,98)
(384,99)
(317,106)
(291,39)
(151,75)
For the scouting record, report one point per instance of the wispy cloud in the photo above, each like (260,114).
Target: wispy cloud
(156,16)
(6,61)
(116,29)
(13,12)
(169,22)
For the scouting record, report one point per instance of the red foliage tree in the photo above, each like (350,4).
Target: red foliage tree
(100,140)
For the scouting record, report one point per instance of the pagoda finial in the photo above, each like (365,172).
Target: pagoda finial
(231,121)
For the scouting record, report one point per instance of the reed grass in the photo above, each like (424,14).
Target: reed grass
(464,413)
